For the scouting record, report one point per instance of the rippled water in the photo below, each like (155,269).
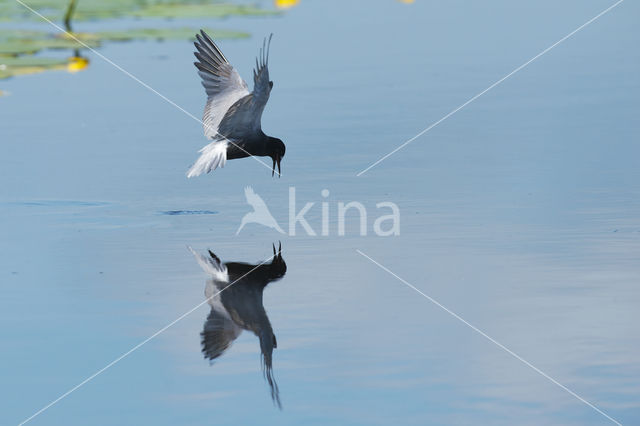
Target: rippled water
(520,214)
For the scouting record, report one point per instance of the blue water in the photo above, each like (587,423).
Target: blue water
(520,214)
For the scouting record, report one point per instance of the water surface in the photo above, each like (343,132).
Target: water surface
(519,213)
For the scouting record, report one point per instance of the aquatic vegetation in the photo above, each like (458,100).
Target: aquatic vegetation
(100,9)
(6,33)
(22,65)
(162,34)
(205,10)
(21,46)
(17,46)
(16,54)
(77,63)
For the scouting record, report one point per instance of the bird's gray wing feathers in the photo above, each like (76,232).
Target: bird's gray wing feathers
(261,83)
(244,117)
(218,333)
(221,81)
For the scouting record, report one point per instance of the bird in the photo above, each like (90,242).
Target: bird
(232,114)
(234,293)
(260,213)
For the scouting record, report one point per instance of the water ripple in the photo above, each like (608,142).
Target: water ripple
(186,212)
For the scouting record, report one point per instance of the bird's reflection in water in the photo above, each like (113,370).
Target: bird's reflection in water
(234,293)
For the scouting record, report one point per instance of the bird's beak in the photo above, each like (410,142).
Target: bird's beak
(276,160)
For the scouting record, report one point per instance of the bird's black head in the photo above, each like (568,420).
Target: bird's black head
(276,152)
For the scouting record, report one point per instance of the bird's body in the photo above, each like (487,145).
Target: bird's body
(232,114)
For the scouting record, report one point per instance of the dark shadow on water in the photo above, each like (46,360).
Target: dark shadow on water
(234,293)
(186,212)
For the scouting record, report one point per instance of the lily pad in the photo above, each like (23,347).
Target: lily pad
(12,49)
(29,46)
(9,45)
(10,67)
(12,33)
(166,34)
(215,10)
(17,46)
(85,10)
(103,9)
(30,61)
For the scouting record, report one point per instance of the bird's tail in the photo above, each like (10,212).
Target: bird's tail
(211,157)
(211,265)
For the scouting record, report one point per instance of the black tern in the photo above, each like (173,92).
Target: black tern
(232,114)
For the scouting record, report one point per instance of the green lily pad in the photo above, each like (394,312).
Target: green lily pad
(9,45)
(13,33)
(103,9)
(10,67)
(215,10)
(12,49)
(85,10)
(17,46)
(30,61)
(166,34)
(29,46)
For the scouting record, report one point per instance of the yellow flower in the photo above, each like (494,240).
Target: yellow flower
(77,63)
(286,4)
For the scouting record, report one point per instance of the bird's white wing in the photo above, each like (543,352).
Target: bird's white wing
(222,83)
(212,266)
(244,117)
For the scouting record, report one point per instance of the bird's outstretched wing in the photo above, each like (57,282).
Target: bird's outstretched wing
(244,117)
(218,334)
(221,81)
